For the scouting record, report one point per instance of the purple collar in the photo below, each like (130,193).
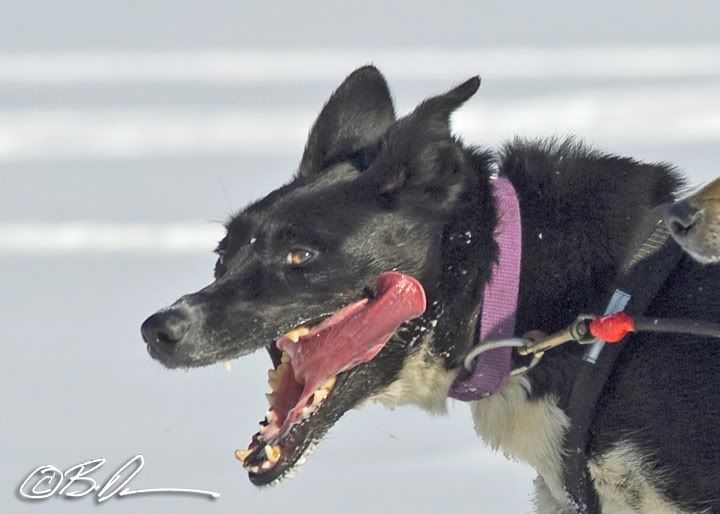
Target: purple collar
(500,297)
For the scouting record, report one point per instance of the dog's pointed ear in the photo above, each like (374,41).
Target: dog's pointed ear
(429,156)
(356,115)
(438,109)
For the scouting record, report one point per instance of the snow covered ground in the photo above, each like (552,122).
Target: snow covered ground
(128,133)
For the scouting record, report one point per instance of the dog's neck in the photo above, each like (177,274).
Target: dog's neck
(571,246)
(572,249)
(468,251)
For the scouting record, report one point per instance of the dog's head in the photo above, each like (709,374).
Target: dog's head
(694,222)
(368,263)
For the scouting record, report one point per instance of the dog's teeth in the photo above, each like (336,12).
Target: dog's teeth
(241,455)
(269,415)
(285,358)
(275,375)
(228,365)
(295,335)
(270,398)
(306,412)
(273,453)
(328,384)
(274,379)
(319,396)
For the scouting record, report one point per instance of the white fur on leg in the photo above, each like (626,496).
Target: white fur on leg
(532,431)
(545,502)
(528,430)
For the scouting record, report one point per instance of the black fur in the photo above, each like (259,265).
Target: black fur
(578,206)
(373,193)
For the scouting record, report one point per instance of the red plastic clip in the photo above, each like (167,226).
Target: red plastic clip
(612,328)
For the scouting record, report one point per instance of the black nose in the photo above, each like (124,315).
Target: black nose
(166,328)
(681,217)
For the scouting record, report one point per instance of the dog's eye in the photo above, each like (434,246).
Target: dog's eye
(360,160)
(299,256)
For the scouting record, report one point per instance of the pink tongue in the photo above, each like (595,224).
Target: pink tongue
(354,334)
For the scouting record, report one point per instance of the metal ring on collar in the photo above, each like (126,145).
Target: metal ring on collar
(516,342)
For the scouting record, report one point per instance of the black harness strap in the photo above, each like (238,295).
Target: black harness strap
(654,256)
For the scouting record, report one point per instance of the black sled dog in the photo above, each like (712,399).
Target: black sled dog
(364,278)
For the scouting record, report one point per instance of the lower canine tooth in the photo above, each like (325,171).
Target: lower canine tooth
(273,453)
(241,455)
(319,396)
(228,365)
(329,383)
(270,398)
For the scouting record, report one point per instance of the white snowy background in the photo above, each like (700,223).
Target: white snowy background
(128,130)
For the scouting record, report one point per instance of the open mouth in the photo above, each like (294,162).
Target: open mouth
(311,365)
